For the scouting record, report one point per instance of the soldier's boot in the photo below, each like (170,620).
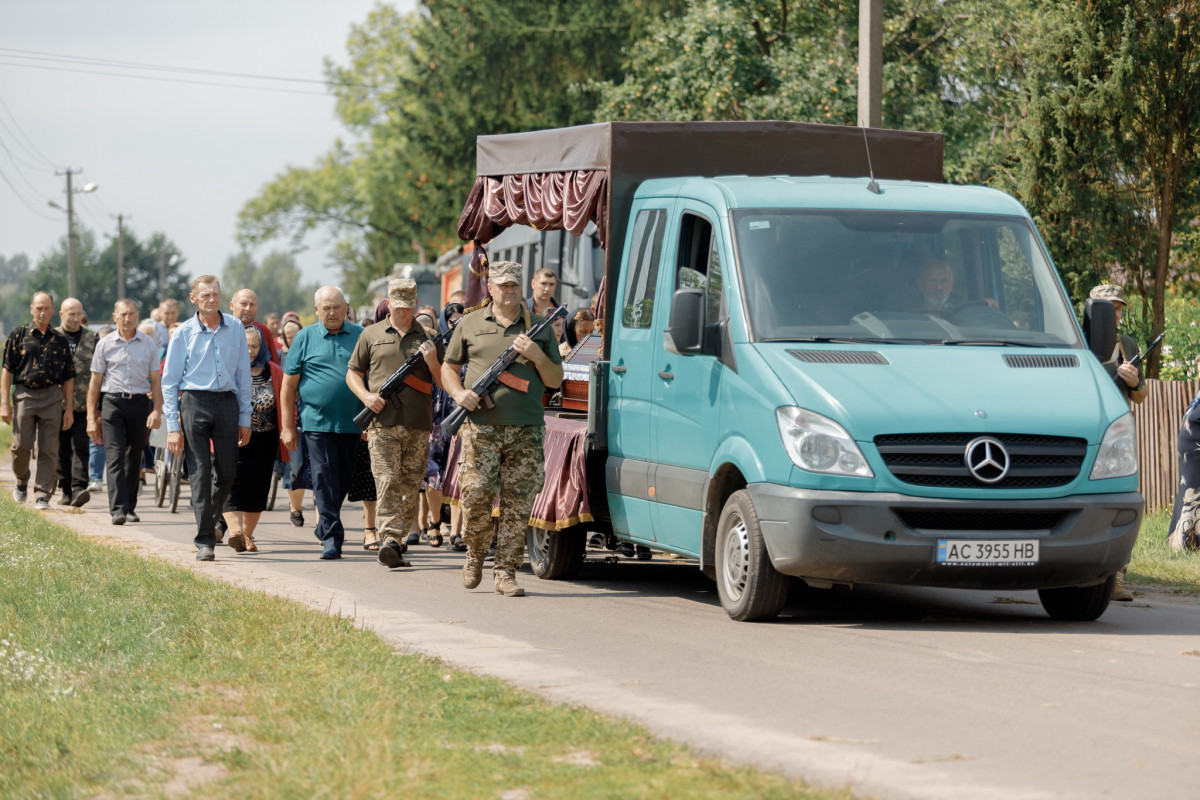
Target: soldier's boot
(1120,593)
(472,572)
(506,583)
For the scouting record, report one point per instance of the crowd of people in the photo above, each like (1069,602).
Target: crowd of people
(243,399)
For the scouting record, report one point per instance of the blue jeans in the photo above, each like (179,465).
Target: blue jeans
(331,460)
(95,462)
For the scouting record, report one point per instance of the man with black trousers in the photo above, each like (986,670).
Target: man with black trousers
(73,451)
(124,399)
(206,403)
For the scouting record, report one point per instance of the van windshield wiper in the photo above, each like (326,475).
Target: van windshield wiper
(991,342)
(853,340)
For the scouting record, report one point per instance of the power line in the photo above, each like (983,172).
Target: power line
(108,62)
(163,80)
(17,166)
(24,199)
(32,149)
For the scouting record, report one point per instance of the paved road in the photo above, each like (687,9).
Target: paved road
(896,693)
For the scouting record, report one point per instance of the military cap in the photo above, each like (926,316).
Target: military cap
(504,272)
(402,293)
(1110,292)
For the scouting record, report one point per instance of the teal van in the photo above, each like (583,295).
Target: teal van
(842,377)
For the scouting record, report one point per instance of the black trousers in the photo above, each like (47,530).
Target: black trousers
(123,426)
(73,453)
(209,421)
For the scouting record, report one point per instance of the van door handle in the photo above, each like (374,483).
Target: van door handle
(619,370)
(667,376)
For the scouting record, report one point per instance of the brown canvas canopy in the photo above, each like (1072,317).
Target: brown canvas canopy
(563,178)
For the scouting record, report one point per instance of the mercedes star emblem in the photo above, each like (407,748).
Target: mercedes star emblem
(987,459)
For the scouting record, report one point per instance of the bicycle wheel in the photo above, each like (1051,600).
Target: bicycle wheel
(161,459)
(176,471)
(274,491)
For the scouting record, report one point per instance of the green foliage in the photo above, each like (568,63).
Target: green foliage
(416,91)
(96,273)
(14,299)
(1108,157)
(952,71)
(278,282)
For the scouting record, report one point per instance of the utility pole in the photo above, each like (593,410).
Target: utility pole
(70,232)
(120,256)
(870,63)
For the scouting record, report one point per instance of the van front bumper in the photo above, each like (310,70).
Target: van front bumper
(853,537)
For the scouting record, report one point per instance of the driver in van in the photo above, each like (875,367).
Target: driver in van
(935,282)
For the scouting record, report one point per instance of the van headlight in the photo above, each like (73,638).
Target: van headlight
(818,444)
(1117,456)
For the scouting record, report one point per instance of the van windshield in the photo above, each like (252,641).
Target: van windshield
(897,276)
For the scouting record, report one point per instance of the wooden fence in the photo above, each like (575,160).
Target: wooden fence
(1158,420)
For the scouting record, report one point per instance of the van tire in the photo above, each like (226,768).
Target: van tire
(1078,603)
(555,555)
(749,586)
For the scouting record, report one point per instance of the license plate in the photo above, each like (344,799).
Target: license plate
(988,552)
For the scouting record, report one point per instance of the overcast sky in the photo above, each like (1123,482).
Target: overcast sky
(175,157)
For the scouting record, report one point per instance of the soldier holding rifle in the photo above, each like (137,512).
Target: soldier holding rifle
(399,434)
(501,445)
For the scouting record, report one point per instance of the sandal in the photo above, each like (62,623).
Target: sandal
(370,542)
(456,541)
(435,535)
(251,547)
(237,541)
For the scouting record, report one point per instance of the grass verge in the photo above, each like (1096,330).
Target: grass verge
(1154,563)
(121,675)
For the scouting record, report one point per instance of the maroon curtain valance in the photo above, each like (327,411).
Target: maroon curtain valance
(545,200)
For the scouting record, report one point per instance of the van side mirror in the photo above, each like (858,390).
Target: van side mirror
(685,329)
(1100,327)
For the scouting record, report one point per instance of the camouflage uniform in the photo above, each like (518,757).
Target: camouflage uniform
(505,460)
(398,459)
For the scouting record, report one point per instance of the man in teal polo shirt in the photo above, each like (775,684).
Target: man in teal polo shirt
(316,370)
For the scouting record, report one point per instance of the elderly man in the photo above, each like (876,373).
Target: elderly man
(399,434)
(244,306)
(316,372)
(206,403)
(168,315)
(38,361)
(124,399)
(73,450)
(501,446)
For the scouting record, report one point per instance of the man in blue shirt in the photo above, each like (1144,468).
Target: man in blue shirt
(316,371)
(206,403)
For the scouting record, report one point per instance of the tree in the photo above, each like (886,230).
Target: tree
(415,93)
(1109,154)
(278,282)
(96,273)
(14,297)
(952,68)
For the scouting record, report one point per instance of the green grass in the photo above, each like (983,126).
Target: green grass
(1153,563)
(121,675)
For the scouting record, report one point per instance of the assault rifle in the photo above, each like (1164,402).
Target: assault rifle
(1157,341)
(486,383)
(390,390)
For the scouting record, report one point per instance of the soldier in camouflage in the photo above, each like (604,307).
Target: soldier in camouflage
(399,434)
(73,450)
(39,374)
(502,445)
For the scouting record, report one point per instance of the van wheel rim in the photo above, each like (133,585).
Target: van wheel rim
(735,567)
(541,546)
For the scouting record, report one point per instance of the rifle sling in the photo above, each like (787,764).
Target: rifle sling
(413,382)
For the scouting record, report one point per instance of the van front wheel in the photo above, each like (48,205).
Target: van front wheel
(749,587)
(1078,603)
(556,555)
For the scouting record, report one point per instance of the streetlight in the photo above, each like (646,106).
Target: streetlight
(70,209)
(163,263)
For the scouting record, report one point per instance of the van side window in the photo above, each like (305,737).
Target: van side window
(648,233)
(700,264)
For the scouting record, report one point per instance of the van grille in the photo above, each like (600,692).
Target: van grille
(979,520)
(938,460)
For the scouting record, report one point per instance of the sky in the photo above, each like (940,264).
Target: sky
(170,156)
